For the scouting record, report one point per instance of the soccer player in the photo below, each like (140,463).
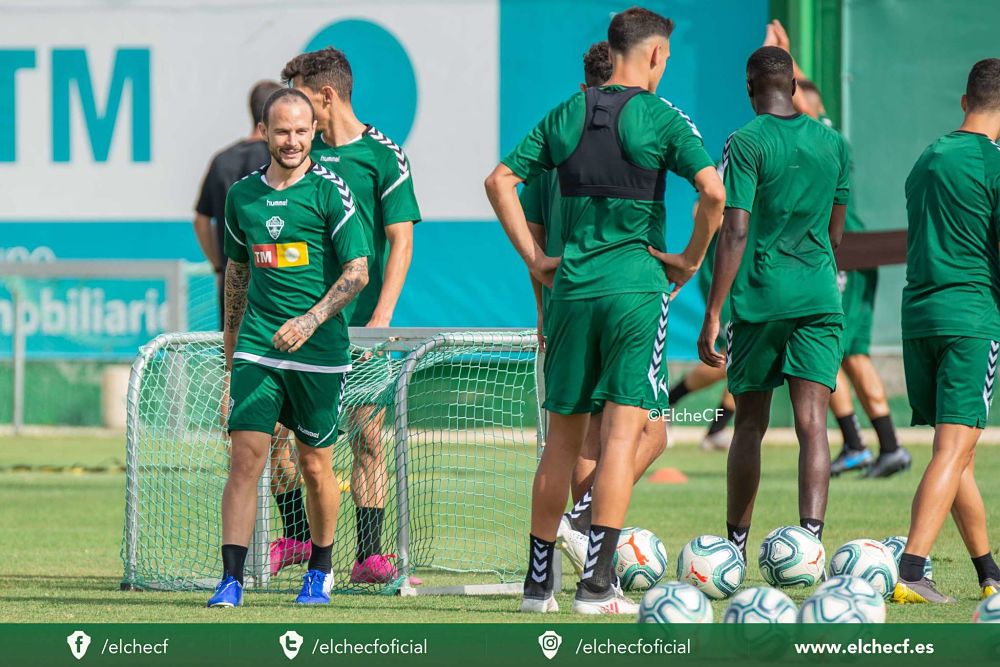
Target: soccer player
(607,318)
(297,256)
(378,172)
(787,186)
(540,201)
(858,298)
(951,327)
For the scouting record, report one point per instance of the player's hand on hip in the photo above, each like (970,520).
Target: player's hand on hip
(544,269)
(294,333)
(679,269)
(706,343)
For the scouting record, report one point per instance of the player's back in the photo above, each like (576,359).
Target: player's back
(788,172)
(953,211)
(605,235)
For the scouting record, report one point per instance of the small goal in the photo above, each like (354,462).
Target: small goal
(456,413)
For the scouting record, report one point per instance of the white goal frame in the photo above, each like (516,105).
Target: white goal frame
(416,342)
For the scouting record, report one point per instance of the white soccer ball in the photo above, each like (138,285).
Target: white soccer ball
(791,556)
(988,610)
(674,602)
(864,601)
(760,605)
(868,560)
(897,545)
(640,560)
(713,565)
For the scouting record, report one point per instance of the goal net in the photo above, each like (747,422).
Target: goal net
(454,414)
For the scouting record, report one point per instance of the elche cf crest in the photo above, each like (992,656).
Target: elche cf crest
(274,227)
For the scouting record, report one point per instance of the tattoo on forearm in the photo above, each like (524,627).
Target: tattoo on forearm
(351,281)
(237,284)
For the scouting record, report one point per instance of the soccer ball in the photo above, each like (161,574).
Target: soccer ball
(988,610)
(640,559)
(713,565)
(864,602)
(791,556)
(674,602)
(760,605)
(869,560)
(897,545)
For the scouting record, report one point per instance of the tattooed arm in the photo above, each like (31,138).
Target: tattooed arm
(295,332)
(237,283)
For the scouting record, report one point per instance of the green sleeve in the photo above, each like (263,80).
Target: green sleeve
(843,194)
(399,202)
(551,141)
(531,201)
(344,218)
(683,148)
(235,241)
(740,165)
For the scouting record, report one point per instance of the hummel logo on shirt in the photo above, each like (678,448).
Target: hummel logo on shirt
(329,158)
(279,202)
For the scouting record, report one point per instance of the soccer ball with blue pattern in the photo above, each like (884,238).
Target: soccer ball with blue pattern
(640,559)
(868,560)
(988,610)
(713,565)
(897,545)
(791,556)
(674,602)
(859,602)
(760,605)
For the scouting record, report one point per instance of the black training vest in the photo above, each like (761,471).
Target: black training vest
(598,166)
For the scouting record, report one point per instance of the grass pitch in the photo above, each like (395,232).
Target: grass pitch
(62,529)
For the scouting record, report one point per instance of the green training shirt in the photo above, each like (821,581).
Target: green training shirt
(952,266)
(605,238)
(378,173)
(787,173)
(540,200)
(295,240)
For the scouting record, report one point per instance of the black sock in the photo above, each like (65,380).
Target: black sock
(579,516)
(738,536)
(538,583)
(320,558)
(598,570)
(678,391)
(911,568)
(851,429)
(233,558)
(721,421)
(293,515)
(368,526)
(814,526)
(887,442)
(986,567)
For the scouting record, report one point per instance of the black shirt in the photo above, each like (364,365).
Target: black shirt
(228,166)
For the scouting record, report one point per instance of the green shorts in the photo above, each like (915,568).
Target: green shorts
(859,306)
(762,354)
(949,379)
(307,403)
(609,348)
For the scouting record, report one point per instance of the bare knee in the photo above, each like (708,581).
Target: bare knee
(314,469)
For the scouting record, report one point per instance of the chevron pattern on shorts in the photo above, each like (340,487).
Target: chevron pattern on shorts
(659,344)
(991,375)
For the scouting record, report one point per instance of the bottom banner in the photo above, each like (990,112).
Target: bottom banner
(495,644)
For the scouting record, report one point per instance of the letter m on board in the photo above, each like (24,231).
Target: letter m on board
(71,71)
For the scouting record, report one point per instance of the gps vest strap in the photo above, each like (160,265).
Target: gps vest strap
(598,166)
